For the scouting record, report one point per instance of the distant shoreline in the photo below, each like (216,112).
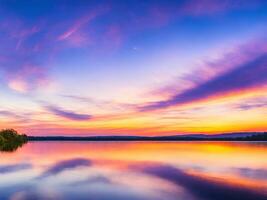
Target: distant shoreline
(219,137)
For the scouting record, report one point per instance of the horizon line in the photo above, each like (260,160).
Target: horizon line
(147,136)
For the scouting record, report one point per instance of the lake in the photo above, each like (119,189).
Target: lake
(135,171)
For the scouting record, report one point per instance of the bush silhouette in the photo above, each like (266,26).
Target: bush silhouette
(10,140)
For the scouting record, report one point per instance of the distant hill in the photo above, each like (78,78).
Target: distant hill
(252,136)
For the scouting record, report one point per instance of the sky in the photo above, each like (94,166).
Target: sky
(129,67)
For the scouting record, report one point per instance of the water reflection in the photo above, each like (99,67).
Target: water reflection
(135,171)
(10,147)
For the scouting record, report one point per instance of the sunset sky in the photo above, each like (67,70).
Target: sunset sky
(133,67)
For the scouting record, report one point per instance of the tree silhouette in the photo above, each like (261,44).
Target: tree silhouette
(11,140)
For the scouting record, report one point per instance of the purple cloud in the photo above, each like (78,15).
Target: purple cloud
(7,113)
(68,114)
(246,76)
(251,104)
(258,174)
(13,116)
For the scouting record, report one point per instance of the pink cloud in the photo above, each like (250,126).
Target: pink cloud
(80,23)
(18,85)
(79,39)
(26,78)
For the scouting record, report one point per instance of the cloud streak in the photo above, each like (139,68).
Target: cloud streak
(259,174)
(251,104)
(68,114)
(82,22)
(246,76)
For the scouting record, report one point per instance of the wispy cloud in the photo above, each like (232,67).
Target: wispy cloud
(67,114)
(82,22)
(15,117)
(253,103)
(102,104)
(6,113)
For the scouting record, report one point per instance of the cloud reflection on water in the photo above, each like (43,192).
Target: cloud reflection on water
(14,167)
(205,187)
(65,165)
(134,171)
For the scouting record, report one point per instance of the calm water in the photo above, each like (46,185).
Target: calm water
(135,171)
